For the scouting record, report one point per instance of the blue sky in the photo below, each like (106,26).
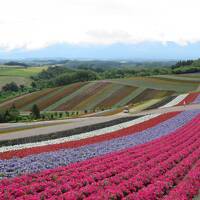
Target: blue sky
(155,29)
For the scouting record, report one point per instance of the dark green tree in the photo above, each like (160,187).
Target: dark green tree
(10,87)
(35,111)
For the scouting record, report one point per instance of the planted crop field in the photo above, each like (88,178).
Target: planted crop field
(149,94)
(20,71)
(90,90)
(27,99)
(160,84)
(116,97)
(52,97)
(191,79)
(105,94)
(152,157)
(19,75)
(190,75)
(18,80)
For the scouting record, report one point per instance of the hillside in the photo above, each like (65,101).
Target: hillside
(18,74)
(106,94)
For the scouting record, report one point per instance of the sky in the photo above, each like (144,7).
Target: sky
(34,25)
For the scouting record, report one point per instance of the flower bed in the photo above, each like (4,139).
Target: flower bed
(38,162)
(112,131)
(193,97)
(163,102)
(160,169)
(147,158)
(66,133)
(92,137)
(175,101)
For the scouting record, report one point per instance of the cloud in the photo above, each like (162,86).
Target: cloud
(35,24)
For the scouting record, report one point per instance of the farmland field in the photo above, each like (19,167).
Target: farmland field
(21,72)
(152,157)
(106,94)
(161,84)
(19,75)
(19,80)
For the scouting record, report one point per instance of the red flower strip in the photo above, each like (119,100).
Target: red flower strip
(73,144)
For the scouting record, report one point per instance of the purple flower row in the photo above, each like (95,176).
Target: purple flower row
(197,100)
(35,163)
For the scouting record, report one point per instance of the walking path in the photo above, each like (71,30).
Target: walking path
(67,124)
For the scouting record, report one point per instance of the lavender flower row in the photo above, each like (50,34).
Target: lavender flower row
(35,163)
(197,100)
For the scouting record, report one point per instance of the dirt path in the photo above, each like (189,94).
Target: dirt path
(78,122)
(67,125)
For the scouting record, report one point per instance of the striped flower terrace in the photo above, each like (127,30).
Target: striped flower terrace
(152,157)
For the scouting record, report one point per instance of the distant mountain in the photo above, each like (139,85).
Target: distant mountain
(14,63)
(139,52)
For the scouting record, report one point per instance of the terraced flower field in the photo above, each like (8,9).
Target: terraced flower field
(107,94)
(152,157)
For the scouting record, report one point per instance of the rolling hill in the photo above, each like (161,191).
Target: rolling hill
(106,94)
(18,74)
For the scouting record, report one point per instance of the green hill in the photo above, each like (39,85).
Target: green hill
(104,94)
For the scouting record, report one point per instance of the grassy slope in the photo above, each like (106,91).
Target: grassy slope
(129,97)
(52,97)
(191,79)
(92,102)
(19,75)
(116,97)
(26,99)
(19,80)
(82,96)
(150,94)
(20,71)
(62,101)
(159,84)
(102,94)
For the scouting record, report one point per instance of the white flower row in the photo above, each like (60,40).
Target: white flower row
(102,131)
(175,101)
(80,136)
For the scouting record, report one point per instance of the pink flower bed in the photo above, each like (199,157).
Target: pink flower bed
(165,168)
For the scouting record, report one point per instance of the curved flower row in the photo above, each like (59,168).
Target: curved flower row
(175,101)
(197,99)
(187,188)
(184,99)
(191,98)
(149,171)
(93,139)
(82,135)
(96,132)
(34,163)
